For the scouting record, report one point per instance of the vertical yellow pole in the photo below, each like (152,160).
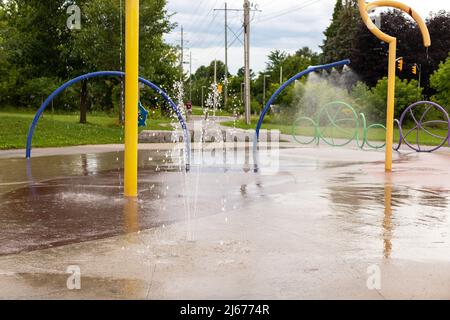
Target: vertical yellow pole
(131,96)
(363,9)
(390,104)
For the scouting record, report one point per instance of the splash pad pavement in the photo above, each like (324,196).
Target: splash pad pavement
(322,226)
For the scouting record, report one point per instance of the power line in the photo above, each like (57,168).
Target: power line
(251,10)
(203,39)
(214,28)
(204,23)
(289,10)
(197,7)
(232,41)
(215,40)
(237,37)
(217,29)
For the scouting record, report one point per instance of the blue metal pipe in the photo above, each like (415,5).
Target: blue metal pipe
(290,81)
(108,74)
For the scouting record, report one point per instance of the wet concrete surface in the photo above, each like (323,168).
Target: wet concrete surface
(310,230)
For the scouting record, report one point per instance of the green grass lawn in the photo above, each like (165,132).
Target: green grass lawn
(57,130)
(65,130)
(374,134)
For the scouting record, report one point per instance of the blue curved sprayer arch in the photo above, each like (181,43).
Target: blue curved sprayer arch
(278,92)
(290,81)
(108,74)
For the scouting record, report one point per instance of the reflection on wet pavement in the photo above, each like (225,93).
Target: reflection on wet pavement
(51,285)
(412,220)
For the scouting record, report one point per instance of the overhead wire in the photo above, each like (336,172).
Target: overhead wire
(204,25)
(288,11)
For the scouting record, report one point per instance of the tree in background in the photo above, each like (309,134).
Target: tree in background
(5,68)
(204,77)
(370,56)
(291,64)
(33,34)
(373,101)
(207,72)
(372,64)
(339,35)
(439,26)
(302,59)
(99,48)
(39,52)
(348,37)
(440,82)
(276,59)
(331,31)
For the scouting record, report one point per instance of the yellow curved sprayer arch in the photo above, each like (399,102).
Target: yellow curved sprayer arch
(364,9)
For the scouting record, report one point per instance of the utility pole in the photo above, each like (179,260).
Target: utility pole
(247,99)
(420,76)
(226,9)
(246,10)
(190,76)
(419,67)
(281,75)
(215,72)
(264,89)
(182,55)
(203,97)
(225,92)
(215,88)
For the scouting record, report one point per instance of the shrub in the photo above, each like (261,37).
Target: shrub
(373,101)
(440,81)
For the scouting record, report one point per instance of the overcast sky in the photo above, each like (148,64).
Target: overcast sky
(283,24)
